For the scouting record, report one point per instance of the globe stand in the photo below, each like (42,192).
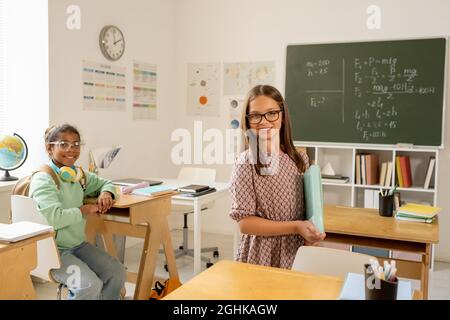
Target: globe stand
(8,177)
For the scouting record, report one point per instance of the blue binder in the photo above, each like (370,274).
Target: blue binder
(312,185)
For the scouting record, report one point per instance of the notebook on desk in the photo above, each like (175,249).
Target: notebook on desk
(154,190)
(193,188)
(200,193)
(21,230)
(132,181)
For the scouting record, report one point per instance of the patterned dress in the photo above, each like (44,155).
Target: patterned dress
(277,197)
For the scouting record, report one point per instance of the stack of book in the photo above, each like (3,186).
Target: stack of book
(417,213)
(403,170)
(337,178)
(367,168)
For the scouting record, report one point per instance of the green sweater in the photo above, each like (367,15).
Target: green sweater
(61,206)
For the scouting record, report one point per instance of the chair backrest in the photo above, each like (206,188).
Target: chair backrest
(197,175)
(25,209)
(332,262)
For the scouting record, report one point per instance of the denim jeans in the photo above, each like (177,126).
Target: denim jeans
(90,273)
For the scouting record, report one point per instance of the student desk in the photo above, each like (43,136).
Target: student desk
(230,280)
(196,203)
(365,227)
(141,217)
(17,260)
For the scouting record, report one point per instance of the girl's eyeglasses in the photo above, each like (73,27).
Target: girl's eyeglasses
(65,145)
(271,116)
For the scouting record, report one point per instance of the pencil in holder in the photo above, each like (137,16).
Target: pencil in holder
(378,289)
(386,205)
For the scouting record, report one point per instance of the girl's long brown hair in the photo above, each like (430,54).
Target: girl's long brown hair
(286,143)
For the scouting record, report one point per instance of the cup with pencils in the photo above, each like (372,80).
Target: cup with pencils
(381,282)
(386,202)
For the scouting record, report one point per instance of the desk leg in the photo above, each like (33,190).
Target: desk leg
(157,233)
(197,238)
(425,271)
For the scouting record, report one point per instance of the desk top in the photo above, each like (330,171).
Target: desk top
(13,245)
(220,187)
(368,223)
(230,280)
(128,200)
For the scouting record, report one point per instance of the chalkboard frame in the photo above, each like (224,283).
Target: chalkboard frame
(374,144)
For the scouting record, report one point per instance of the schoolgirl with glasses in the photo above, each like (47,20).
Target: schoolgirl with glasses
(87,271)
(267,185)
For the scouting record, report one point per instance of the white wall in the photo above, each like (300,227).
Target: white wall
(174,33)
(260,30)
(148,27)
(26,85)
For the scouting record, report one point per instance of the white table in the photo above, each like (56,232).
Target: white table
(196,203)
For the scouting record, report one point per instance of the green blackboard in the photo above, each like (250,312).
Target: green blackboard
(381,92)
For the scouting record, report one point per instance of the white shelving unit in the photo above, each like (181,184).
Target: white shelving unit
(343,160)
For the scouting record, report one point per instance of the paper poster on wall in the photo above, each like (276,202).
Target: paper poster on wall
(104,86)
(144,90)
(203,96)
(240,77)
(235,106)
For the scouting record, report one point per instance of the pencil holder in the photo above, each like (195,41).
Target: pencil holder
(386,205)
(378,289)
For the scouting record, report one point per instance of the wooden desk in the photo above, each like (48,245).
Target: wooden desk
(365,227)
(140,217)
(230,280)
(17,260)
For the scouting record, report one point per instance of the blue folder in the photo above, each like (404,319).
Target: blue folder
(312,185)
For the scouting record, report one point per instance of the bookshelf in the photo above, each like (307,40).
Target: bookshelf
(343,160)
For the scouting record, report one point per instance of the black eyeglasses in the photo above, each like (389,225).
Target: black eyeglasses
(271,116)
(65,145)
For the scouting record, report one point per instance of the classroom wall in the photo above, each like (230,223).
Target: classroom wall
(182,31)
(259,30)
(26,74)
(148,27)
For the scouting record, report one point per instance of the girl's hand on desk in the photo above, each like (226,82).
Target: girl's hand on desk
(88,209)
(311,235)
(104,202)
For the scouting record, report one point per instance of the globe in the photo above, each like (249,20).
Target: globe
(13,153)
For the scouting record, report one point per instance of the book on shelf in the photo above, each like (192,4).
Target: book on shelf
(363,168)
(358,169)
(383,173)
(332,180)
(387,181)
(398,170)
(153,191)
(371,198)
(371,168)
(429,173)
(405,167)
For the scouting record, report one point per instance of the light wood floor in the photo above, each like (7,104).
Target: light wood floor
(439,279)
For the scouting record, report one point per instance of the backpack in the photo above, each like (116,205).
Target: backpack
(161,290)
(22,187)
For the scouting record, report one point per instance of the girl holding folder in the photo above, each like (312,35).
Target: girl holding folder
(267,187)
